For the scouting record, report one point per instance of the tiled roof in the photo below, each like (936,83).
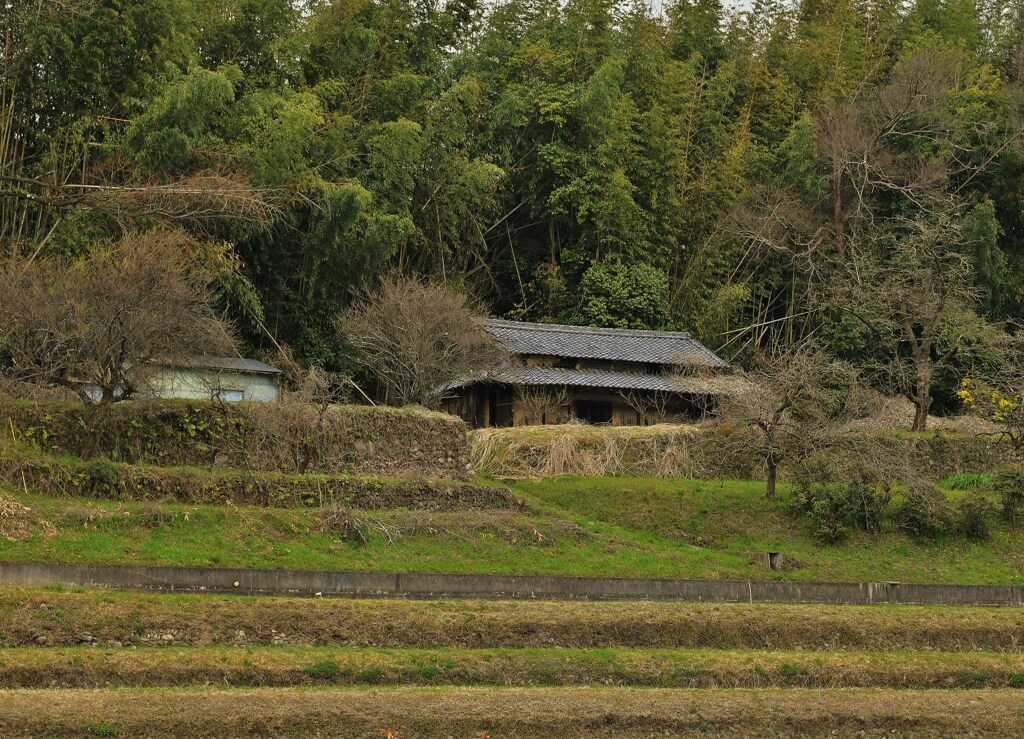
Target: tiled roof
(611,344)
(592,378)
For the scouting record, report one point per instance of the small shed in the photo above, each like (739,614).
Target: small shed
(220,378)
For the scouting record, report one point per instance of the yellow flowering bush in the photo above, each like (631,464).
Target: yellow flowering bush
(984,401)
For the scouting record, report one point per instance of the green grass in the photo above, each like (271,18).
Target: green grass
(734,516)
(621,527)
(243,536)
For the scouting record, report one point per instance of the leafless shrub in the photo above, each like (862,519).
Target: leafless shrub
(296,426)
(652,407)
(340,522)
(926,510)
(104,319)
(83,515)
(544,405)
(151,514)
(418,339)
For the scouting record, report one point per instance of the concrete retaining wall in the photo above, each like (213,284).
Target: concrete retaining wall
(420,585)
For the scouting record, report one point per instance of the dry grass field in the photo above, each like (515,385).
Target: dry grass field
(64,618)
(87,663)
(508,712)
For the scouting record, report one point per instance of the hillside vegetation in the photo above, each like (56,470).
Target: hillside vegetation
(616,164)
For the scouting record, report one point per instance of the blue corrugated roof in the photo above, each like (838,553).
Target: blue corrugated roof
(228,364)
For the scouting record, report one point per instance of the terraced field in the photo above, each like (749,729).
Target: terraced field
(101,663)
(129,664)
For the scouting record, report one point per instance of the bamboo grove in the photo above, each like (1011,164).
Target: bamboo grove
(849,171)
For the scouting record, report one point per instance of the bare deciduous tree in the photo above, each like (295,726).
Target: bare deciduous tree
(918,300)
(103,320)
(875,199)
(795,405)
(417,339)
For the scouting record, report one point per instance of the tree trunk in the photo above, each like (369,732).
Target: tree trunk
(922,399)
(773,475)
(921,405)
(837,212)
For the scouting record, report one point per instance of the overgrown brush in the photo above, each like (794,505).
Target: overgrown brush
(926,511)
(835,497)
(1008,486)
(975,513)
(342,523)
(708,452)
(578,449)
(391,526)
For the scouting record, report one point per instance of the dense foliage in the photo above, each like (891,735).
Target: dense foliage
(591,160)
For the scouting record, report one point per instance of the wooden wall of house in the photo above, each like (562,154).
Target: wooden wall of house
(482,406)
(580,402)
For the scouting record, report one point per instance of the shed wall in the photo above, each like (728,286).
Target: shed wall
(189,384)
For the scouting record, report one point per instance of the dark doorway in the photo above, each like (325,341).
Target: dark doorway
(594,411)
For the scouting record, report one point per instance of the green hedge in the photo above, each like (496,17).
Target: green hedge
(115,481)
(248,436)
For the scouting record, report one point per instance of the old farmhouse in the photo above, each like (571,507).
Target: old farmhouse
(598,375)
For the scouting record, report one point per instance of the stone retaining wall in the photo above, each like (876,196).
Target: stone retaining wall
(106,480)
(360,440)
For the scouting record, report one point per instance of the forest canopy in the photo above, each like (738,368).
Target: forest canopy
(754,177)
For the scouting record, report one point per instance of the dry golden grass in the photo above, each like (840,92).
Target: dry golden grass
(517,712)
(81,667)
(206,619)
(583,450)
(17,521)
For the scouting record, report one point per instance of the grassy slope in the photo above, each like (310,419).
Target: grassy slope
(576,526)
(734,516)
(87,531)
